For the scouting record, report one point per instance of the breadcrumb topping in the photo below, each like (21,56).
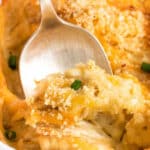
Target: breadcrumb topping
(63,108)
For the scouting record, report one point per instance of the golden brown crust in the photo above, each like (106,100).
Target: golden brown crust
(124,32)
(126,48)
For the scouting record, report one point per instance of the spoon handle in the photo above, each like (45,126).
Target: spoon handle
(48,11)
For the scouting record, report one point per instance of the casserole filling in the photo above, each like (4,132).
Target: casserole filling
(84,108)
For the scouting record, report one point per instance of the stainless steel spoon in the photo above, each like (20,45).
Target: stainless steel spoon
(55,47)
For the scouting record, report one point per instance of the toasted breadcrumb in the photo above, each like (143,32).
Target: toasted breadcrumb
(118,120)
(117,105)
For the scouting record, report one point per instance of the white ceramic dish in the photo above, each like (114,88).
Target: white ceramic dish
(5,147)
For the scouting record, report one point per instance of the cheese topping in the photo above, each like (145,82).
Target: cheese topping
(104,112)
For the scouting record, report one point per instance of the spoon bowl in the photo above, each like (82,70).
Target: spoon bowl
(55,47)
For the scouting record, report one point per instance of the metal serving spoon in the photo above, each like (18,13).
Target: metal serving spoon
(55,47)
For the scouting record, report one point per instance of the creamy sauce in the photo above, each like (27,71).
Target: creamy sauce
(123,100)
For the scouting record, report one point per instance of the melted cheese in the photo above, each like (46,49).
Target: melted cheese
(110,103)
(117,117)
